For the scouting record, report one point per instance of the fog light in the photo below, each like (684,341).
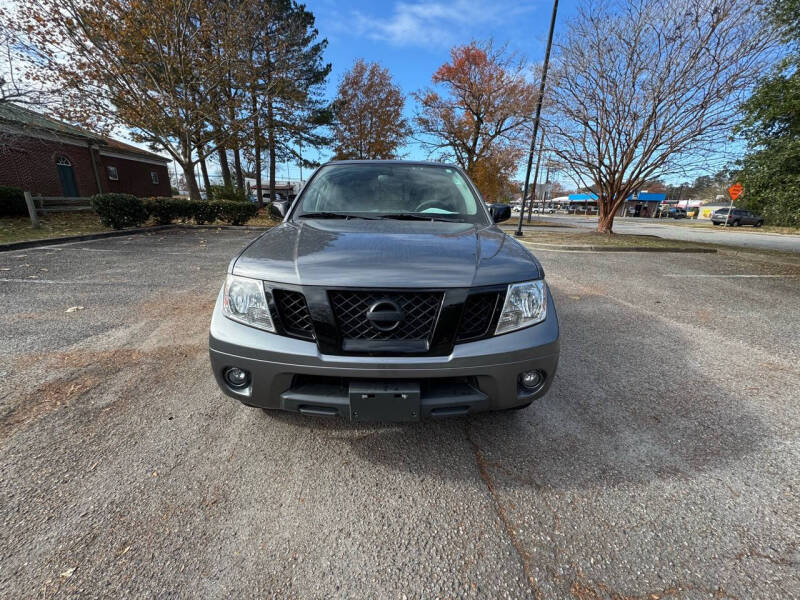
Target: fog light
(236,377)
(531,379)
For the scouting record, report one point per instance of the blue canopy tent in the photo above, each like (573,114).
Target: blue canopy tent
(635,205)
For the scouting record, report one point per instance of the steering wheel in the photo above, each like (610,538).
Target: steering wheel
(434,203)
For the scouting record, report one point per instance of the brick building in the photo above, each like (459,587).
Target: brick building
(51,158)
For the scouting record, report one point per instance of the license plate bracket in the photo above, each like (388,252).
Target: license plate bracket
(384,401)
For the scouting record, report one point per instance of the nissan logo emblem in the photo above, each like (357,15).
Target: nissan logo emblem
(385,315)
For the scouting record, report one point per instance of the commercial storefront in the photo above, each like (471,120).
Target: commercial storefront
(638,204)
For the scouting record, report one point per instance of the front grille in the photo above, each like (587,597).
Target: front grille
(479,311)
(420,311)
(293,312)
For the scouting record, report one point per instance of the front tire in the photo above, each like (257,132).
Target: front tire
(759,223)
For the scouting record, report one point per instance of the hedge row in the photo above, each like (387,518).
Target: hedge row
(123,210)
(12,202)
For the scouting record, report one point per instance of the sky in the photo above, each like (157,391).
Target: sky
(413,38)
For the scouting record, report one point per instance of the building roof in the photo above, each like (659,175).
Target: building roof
(640,197)
(29,119)
(582,197)
(123,147)
(648,197)
(13,113)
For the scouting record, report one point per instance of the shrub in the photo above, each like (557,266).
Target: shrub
(221,192)
(12,202)
(119,210)
(784,212)
(166,210)
(236,213)
(205,212)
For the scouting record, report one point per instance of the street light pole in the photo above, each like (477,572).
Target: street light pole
(536,174)
(518,232)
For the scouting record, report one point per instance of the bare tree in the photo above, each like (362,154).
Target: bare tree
(646,88)
(14,86)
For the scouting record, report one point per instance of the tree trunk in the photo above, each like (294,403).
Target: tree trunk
(607,206)
(222,156)
(237,166)
(257,151)
(605,223)
(204,171)
(271,144)
(188,173)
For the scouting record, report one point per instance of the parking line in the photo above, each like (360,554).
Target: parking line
(139,251)
(58,282)
(742,276)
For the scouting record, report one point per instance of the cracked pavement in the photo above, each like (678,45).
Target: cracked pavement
(663,463)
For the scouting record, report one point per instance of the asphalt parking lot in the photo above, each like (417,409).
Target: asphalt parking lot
(664,462)
(670,229)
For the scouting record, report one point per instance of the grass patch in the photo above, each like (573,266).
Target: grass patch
(743,229)
(591,239)
(601,240)
(262,219)
(514,221)
(18,229)
(56,225)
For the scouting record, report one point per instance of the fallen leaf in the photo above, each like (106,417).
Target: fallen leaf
(68,572)
(124,552)
(74,308)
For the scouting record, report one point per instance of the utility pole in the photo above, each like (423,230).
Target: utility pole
(546,195)
(536,174)
(300,146)
(518,232)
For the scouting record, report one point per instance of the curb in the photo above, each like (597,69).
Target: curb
(620,249)
(79,238)
(11,246)
(225,227)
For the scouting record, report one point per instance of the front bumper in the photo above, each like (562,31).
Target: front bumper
(291,374)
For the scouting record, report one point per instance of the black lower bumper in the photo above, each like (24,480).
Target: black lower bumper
(403,400)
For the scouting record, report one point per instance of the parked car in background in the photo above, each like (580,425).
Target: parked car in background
(736,217)
(677,213)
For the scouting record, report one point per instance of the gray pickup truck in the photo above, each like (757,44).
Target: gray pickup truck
(388,293)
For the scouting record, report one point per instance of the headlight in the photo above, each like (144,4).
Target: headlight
(243,300)
(526,304)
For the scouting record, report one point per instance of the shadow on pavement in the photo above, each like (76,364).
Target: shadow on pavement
(630,404)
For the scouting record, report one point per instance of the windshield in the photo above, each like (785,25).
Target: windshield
(387,190)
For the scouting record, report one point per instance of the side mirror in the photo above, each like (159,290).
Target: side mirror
(500,212)
(281,207)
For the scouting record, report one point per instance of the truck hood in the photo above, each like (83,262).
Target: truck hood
(386,253)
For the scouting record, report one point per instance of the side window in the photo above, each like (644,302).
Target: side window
(467,198)
(113,175)
(154,177)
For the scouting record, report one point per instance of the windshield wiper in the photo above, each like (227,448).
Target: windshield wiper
(330,215)
(420,217)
